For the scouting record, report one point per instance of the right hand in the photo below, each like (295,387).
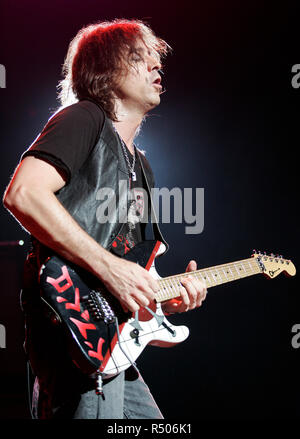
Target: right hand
(130,283)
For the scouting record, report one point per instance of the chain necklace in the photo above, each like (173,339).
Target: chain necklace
(124,148)
(130,167)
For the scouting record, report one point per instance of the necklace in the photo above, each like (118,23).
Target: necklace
(130,166)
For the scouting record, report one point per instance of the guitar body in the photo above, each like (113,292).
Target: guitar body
(106,340)
(102,336)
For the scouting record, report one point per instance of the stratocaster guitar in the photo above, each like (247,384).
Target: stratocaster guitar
(106,340)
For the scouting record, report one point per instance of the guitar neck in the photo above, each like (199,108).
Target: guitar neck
(212,276)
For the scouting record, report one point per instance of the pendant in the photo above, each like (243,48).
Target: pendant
(133,175)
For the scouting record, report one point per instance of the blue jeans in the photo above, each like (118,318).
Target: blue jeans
(126,397)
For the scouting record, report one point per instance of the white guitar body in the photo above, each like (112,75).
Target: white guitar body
(153,328)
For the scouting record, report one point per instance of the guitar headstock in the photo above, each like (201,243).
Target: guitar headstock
(272,265)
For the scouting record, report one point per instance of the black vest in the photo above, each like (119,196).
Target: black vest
(105,171)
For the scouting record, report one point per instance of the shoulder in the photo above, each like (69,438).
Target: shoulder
(81,112)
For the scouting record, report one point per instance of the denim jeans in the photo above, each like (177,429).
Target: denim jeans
(126,396)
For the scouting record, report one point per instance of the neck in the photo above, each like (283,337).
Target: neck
(129,122)
(212,276)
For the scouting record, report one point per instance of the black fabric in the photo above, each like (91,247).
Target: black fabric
(67,141)
(133,231)
(69,137)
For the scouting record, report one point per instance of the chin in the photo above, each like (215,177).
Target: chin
(152,106)
(156,101)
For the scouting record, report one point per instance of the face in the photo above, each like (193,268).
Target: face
(140,86)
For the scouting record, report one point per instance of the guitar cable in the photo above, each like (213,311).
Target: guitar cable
(29,389)
(121,348)
(99,379)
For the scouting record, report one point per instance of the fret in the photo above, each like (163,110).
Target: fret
(167,292)
(212,277)
(170,286)
(206,277)
(231,273)
(164,293)
(175,287)
(199,276)
(225,274)
(218,276)
(238,271)
(243,267)
(245,270)
(202,278)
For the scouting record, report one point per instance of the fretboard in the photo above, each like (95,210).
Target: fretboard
(212,276)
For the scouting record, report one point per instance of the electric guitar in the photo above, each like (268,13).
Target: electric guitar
(106,340)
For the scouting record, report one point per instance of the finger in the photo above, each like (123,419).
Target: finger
(153,284)
(192,266)
(140,298)
(191,290)
(197,290)
(131,304)
(185,300)
(201,291)
(201,296)
(149,283)
(144,288)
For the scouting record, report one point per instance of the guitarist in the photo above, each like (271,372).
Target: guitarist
(111,81)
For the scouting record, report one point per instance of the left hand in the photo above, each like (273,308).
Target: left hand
(193,292)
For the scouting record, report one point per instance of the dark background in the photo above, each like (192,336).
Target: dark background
(228,123)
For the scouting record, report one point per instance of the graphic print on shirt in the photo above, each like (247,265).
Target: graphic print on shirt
(131,236)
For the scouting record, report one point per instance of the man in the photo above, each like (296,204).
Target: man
(111,82)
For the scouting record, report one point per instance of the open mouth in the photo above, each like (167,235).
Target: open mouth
(157,83)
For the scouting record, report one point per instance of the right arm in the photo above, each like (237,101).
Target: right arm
(30,197)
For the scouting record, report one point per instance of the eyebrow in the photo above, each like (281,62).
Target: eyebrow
(150,52)
(138,49)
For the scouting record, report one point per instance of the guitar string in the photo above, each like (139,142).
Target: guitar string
(244,272)
(212,270)
(230,264)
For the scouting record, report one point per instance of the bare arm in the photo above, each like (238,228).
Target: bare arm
(30,198)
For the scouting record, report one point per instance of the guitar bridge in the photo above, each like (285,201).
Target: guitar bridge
(100,308)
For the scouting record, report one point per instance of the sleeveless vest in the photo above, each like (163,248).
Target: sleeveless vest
(101,186)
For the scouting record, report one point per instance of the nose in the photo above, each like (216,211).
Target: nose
(153,63)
